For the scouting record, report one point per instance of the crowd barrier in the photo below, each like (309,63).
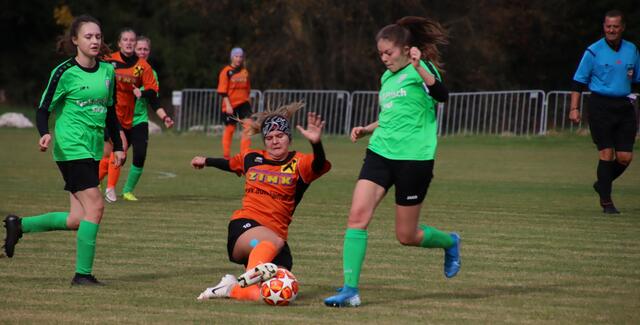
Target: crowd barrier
(517,112)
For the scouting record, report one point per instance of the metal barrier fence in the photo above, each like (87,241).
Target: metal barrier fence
(521,112)
(332,105)
(499,112)
(201,109)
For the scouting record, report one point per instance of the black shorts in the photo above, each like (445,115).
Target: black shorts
(411,177)
(79,174)
(237,227)
(612,122)
(241,111)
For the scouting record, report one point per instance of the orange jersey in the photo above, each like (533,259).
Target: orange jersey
(235,84)
(273,189)
(130,72)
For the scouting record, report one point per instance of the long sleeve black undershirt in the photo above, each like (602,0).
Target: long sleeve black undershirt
(42,121)
(319,157)
(152,97)
(317,165)
(113,126)
(219,163)
(438,91)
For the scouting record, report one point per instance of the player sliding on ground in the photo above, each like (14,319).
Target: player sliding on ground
(275,180)
(401,151)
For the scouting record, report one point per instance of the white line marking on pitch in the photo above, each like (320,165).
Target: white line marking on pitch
(166,175)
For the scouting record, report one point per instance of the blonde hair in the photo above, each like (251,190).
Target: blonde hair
(254,125)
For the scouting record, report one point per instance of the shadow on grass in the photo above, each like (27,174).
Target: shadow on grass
(321,292)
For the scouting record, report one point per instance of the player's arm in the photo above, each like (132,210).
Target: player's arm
(52,96)
(234,165)
(433,85)
(112,124)
(361,131)
(223,91)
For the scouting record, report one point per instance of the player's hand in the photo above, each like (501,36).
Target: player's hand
(119,158)
(137,92)
(168,122)
(315,124)
(358,132)
(44,142)
(414,56)
(574,115)
(228,109)
(198,162)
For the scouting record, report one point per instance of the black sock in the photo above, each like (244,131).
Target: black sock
(605,171)
(617,170)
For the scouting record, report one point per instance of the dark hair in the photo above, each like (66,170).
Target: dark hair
(423,33)
(65,43)
(124,30)
(615,13)
(144,39)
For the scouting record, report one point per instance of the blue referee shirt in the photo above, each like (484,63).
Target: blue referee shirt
(608,72)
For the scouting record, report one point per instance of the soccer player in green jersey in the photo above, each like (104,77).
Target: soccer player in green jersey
(401,151)
(140,129)
(80,92)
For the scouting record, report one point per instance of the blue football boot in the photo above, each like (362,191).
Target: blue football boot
(346,297)
(452,257)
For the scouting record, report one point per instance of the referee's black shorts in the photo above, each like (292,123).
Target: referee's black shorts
(612,121)
(410,177)
(79,174)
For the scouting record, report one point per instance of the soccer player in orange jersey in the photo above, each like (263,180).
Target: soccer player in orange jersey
(132,74)
(275,180)
(235,89)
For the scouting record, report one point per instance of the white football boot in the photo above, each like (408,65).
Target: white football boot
(110,195)
(261,272)
(221,290)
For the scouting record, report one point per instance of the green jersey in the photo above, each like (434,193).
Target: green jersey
(79,98)
(407,126)
(140,111)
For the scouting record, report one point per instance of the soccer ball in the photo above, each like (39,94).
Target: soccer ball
(281,289)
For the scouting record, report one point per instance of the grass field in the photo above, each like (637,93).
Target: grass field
(536,248)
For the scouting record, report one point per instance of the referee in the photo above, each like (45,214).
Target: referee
(608,68)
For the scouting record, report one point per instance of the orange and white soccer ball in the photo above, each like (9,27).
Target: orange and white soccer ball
(281,289)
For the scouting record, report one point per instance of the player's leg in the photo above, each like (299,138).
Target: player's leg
(244,113)
(106,155)
(93,207)
(251,244)
(227,135)
(139,141)
(411,190)
(366,197)
(114,171)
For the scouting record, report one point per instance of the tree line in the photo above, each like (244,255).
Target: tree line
(315,44)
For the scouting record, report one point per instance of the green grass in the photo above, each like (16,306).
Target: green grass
(536,248)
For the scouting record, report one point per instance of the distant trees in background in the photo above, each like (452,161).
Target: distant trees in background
(315,44)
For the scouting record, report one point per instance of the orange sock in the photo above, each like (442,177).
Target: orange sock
(114,173)
(104,167)
(249,293)
(227,137)
(264,252)
(245,144)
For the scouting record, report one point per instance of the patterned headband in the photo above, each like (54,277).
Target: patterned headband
(275,123)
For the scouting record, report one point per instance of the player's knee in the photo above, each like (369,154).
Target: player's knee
(624,159)
(359,218)
(406,238)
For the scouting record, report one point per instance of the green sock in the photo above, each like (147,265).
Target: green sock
(434,238)
(132,179)
(45,222)
(355,247)
(87,233)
